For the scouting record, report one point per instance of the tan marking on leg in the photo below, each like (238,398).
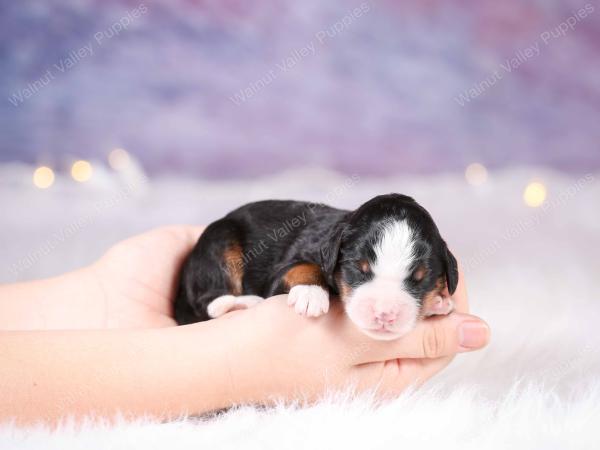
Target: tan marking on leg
(304,273)
(234,265)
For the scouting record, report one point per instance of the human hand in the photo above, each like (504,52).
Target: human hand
(290,357)
(138,281)
(254,355)
(135,281)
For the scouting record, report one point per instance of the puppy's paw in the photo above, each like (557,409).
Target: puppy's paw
(226,303)
(438,306)
(309,300)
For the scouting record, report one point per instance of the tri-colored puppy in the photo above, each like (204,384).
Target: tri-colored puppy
(386,261)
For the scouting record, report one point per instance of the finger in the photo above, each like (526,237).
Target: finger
(194,230)
(416,372)
(432,338)
(391,378)
(189,233)
(421,370)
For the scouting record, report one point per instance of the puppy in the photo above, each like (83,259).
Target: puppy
(386,261)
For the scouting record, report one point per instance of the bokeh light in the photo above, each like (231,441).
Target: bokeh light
(81,171)
(43,177)
(476,174)
(118,159)
(534,194)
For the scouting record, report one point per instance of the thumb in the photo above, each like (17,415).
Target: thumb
(434,337)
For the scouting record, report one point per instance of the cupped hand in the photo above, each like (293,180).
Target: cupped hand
(136,280)
(294,357)
(279,353)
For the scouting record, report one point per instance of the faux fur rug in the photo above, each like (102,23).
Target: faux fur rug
(531,274)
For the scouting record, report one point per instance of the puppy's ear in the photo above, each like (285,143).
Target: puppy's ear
(451,270)
(330,251)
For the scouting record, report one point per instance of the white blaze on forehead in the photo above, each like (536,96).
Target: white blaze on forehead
(394,250)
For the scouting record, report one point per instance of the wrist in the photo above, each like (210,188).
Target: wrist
(67,301)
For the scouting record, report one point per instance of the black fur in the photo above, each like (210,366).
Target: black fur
(275,235)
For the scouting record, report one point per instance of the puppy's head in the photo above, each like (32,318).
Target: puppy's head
(389,262)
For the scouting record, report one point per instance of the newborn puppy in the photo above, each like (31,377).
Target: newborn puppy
(386,261)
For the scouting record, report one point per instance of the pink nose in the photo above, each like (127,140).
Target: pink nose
(386,317)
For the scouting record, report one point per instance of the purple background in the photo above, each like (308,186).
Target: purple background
(376,98)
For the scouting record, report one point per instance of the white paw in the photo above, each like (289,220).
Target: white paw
(439,306)
(311,301)
(226,303)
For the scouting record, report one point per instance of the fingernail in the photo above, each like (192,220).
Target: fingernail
(473,334)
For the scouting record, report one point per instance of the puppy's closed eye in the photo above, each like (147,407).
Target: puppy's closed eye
(419,274)
(364,266)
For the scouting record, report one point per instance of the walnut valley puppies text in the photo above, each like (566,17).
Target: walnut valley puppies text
(523,55)
(75,56)
(320,39)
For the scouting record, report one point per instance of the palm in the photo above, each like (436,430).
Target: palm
(138,277)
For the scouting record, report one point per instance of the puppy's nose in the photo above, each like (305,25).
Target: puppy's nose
(386,317)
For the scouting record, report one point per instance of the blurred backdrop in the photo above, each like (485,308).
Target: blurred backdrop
(232,88)
(117,116)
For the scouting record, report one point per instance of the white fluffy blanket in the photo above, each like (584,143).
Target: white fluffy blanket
(531,274)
